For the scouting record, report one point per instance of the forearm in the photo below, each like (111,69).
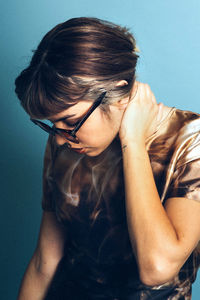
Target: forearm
(35,283)
(151,233)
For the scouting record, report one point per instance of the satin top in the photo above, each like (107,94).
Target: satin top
(87,195)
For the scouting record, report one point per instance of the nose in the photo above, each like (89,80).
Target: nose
(60,140)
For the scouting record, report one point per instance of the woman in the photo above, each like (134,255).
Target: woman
(121,173)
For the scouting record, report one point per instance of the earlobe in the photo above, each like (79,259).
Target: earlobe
(122,103)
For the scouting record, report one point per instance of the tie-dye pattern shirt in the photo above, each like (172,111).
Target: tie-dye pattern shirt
(87,195)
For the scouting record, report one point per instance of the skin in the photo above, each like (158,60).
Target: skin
(160,250)
(43,264)
(97,133)
(162,238)
(95,126)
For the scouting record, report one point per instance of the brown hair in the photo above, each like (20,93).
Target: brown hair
(77,60)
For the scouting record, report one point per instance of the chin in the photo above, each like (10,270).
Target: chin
(93,153)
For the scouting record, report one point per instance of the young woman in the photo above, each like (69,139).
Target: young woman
(121,173)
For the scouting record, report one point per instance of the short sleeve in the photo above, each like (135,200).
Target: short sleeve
(186,181)
(186,176)
(47,197)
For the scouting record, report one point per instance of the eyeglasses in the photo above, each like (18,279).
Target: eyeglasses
(70,135)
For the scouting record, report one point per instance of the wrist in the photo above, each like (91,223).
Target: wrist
(131,138)
(136,146)
(133,142)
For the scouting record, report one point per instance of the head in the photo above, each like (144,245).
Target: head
(74,63)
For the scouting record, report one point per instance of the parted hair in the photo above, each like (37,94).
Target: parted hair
(77,60)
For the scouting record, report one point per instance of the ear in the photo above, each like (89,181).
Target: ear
(122,83)
(122,103)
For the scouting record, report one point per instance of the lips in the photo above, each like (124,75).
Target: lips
(79,150)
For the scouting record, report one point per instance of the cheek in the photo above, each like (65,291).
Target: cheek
(95,129)
(98,133)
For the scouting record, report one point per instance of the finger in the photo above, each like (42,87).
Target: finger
(144,93)
(160,112)
(134,90)
(150,94)
(153,98)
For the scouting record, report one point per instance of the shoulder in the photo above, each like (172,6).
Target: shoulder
(187,143)
(174,131)
(183,172)
(175,153)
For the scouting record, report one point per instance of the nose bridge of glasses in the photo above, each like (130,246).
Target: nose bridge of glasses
(68,134)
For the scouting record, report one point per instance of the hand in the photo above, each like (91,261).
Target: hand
(141,115)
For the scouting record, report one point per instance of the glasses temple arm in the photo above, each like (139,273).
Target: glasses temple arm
(92,108)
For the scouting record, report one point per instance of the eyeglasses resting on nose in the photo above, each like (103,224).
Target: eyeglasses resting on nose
(70,135)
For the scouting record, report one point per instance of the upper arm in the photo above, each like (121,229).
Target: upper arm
(51,242)
(183,199)
(183,204)
(184,215)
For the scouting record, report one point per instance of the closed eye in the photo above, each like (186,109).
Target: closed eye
(71,124)
(68,123)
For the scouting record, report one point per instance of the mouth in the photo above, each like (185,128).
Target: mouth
(79,150)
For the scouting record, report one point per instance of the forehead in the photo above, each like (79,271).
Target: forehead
(74,111)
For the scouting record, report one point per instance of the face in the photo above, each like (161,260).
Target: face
(96,134)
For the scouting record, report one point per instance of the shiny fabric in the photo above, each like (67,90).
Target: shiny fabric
(87,195)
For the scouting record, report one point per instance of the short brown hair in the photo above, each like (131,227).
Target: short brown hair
(77,60)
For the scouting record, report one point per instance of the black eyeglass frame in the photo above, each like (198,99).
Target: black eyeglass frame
(71,133)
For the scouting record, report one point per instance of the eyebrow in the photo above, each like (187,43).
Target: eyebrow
(62,119)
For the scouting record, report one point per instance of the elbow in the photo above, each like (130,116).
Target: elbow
(45,266)
(157,272)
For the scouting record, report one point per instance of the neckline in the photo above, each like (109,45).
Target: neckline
(159,126)
(166,118)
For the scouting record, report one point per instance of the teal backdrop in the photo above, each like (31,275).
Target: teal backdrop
(168,35)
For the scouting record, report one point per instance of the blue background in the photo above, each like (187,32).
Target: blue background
(168,35)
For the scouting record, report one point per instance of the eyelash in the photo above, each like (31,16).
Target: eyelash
(71,124)
(68,123)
